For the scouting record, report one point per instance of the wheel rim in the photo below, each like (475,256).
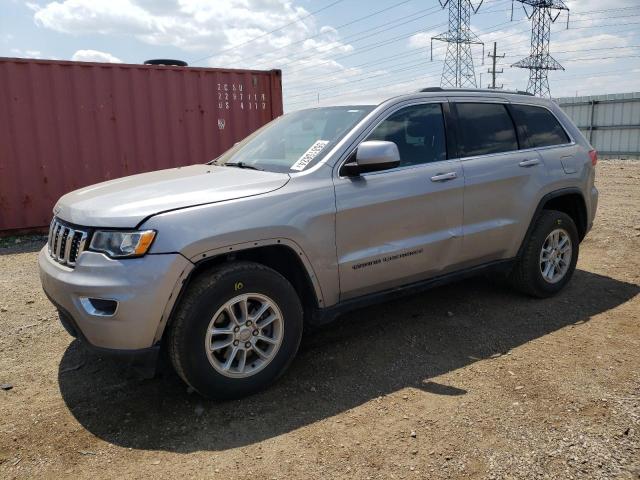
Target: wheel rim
(555,256)
(244,335)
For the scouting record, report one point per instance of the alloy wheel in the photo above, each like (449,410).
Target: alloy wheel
(244,335)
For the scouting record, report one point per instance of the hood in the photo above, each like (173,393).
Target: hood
(125,202)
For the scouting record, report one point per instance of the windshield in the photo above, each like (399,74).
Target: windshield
(294,141)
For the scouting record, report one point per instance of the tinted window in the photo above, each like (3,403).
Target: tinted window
(538,126)
(418,131)
(485,128)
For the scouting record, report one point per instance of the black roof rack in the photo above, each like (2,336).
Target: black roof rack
(440,89)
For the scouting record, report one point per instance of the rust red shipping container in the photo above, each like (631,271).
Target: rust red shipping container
(65,125)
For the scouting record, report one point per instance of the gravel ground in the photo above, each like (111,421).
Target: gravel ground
(469,380)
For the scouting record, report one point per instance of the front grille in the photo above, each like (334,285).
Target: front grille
(66,243)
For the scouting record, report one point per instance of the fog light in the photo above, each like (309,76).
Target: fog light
(99,307)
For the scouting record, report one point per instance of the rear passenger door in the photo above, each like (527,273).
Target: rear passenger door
(501,182)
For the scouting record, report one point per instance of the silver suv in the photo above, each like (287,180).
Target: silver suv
(323,210)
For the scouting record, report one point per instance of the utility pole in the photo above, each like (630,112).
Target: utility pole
(458,64)
(540,61)
(493,70)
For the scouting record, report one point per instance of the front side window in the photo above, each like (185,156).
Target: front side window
(418,131)
(485,128)
(538,126)
(295,141)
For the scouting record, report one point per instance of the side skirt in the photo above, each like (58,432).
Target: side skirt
(323,316)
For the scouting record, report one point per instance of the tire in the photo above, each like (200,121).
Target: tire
(527,275)
(213,294)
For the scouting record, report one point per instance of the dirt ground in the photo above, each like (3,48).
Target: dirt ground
(470,380)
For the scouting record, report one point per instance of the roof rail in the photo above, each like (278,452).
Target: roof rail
(489,90)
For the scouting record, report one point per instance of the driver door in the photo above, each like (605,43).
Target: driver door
(401,225)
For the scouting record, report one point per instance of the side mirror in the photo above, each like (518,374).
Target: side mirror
(372,156)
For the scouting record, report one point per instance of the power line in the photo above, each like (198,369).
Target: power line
(368,77)
(304,81)
(367,31)
(313,55)
(365,49)
(609,17)
(585,50)
(608,10)
(215,54)
(412,16)
(370,47)
(379,87)
(568,78)
(585,59)
(375,62)
(356,20)
(412,79)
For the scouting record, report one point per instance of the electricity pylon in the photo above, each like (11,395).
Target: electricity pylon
(458,64)
(540,61)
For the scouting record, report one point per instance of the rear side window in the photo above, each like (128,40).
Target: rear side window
(538,126)
(418,131)
(485,128)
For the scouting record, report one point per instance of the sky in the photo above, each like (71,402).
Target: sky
(330,51)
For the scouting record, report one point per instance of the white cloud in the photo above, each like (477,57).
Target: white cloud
(94,56)
(18,52)
(261,34)
(422,39)
(194,25)
(588,5)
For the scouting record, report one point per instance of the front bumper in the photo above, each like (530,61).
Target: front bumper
(144,288)
(144,360)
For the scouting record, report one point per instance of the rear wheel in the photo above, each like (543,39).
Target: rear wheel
(236,330)
(549,257)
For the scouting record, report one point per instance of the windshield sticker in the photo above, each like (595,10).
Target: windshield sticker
(309,155)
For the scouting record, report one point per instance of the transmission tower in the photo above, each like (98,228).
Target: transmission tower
(540,61)
(458,64)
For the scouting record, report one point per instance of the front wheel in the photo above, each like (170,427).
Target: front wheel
(236,330)
(549,257)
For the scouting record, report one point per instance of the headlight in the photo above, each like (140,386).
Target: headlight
(122,244)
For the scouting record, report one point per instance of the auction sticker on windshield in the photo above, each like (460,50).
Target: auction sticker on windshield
(309,155)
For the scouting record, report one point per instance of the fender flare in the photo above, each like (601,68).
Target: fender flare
(197,259)
(545,198)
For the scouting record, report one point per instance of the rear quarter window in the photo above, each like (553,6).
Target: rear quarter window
(485,128)
(538,127)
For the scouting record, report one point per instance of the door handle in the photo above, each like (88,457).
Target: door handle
(529,163)
(443,177)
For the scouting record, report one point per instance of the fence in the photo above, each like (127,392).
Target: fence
(610,122)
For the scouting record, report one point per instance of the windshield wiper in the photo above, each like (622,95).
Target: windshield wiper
(242,165)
